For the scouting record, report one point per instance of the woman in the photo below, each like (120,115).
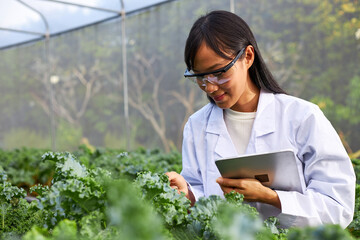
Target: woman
(249,113)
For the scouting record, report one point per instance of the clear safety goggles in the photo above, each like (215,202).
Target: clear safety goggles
(214,77)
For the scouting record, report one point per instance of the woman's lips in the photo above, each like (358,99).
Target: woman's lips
(219,97)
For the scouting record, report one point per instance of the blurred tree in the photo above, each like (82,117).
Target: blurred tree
(68,103)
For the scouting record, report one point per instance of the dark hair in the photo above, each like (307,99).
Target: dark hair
(225,32)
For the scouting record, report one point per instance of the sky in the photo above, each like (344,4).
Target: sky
(60,17)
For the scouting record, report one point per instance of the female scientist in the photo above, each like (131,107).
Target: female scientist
(249,113)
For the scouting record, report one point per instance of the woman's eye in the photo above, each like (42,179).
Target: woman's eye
(219,75)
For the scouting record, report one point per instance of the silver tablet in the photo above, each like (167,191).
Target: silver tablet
(277,170)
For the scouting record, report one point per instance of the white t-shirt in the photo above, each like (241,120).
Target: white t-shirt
(239,125)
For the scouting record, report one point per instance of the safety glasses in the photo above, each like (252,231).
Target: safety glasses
(214,77)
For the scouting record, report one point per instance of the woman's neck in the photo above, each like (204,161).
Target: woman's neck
(249,101)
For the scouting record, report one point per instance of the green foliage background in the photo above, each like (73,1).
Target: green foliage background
(110,194)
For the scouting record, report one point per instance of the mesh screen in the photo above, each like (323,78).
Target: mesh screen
(84,73)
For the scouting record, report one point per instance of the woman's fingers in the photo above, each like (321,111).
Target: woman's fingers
(177,182)
(252,190)
(172,175)
(227,190)
(175,178)
(230,183)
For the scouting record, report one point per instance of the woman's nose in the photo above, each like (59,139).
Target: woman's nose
(210,87)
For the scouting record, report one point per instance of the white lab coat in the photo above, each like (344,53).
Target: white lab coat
(282,122)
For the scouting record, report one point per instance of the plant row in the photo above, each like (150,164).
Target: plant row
(125,195)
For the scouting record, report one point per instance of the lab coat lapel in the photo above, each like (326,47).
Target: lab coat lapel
(218,136)
(264,123)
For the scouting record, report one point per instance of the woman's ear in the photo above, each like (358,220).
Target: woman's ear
(249,56)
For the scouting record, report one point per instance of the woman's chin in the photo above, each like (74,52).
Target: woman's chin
(223,104)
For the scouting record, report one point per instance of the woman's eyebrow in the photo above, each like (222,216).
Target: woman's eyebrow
(211,68)
(214,67)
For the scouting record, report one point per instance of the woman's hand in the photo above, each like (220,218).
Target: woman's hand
(252,190)
(178,182)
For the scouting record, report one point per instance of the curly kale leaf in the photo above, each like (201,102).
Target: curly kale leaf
(9,193)
(20,218)
(237,200)
(76,191)
(217,218)
(173,207)
(16,214)
(66,165)
(201,215)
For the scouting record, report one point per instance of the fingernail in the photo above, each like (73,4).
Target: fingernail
(219,180)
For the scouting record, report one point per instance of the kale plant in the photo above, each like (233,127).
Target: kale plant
(17,215)
(173,207)
(75,191)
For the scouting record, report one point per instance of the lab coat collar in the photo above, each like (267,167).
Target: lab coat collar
(264,124)
(265,117)
(216,123)
(264,121)
(217,133)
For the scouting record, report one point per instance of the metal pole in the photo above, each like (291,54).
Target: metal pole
(232,6)
(126,103)
(22,31)
(47,54)
(47,77)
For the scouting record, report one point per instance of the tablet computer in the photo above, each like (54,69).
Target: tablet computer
(277,170)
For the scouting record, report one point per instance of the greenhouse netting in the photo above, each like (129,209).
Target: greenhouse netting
(312,49)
